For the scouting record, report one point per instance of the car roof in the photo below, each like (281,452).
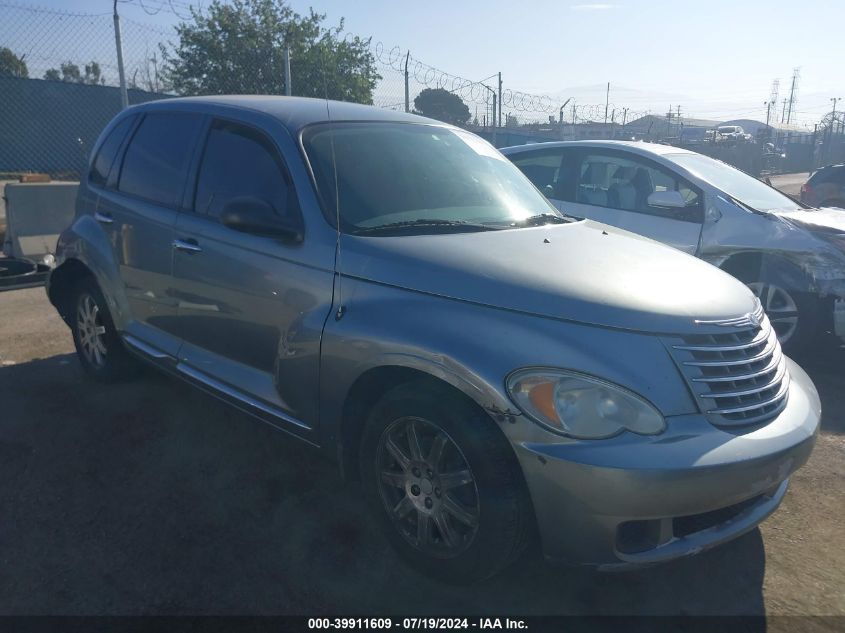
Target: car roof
(636,147)
(294,112)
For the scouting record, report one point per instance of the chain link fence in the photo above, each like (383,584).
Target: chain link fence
(55,108)
(59,83)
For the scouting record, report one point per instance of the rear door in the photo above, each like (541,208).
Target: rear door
(137,207)
(573,187)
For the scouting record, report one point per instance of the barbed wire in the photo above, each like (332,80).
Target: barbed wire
(49,37)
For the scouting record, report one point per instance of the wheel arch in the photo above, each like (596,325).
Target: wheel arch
(751,266)
(61,282)
(365,392)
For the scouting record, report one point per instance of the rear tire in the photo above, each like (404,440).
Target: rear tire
(444,484)
(98,345)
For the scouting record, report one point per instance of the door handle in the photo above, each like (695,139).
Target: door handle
(187,246)
(103,218)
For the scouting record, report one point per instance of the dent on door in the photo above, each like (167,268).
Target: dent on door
(251,316)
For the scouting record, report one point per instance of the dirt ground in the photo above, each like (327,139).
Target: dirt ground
(790,184)
(152,498)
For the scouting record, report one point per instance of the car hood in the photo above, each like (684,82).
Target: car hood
(826,219)
(583,271)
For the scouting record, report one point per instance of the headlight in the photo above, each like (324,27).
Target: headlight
(581,406)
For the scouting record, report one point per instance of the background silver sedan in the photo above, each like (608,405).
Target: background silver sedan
(791,255)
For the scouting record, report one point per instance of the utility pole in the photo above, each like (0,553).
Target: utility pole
(407,93)
(287,71)
(573,115)
(678,119)
(624,116)
(494,115)
(560,114)
(500,99)
(768,112)
(793,94)
(669,121)
(493,111)
(606,101)
(124,96)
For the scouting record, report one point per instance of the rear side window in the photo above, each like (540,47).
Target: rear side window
(542,169)
(240,162)
(108,150)
(829,174)
(156,161)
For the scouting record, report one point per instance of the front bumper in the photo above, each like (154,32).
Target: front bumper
(634,500)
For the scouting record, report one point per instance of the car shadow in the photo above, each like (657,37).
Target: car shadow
(825,364)
(151,497)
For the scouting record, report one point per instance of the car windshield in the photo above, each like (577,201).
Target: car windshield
(737,184)
(422,177)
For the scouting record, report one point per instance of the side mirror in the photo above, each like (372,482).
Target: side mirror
(667,200)
(257,217)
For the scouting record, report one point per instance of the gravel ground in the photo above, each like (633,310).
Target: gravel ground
(152,498)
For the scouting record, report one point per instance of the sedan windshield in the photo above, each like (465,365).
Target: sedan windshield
(737,184)
(419,178)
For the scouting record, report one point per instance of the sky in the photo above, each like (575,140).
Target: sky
(716,59)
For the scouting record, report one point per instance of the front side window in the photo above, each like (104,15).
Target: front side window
(400,173)
(625,183)
(240,162)
(156,161)
(102,163)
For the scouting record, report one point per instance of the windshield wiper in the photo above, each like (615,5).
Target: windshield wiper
(440,225)
(542,218)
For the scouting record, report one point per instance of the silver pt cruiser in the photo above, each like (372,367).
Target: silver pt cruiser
(394,292)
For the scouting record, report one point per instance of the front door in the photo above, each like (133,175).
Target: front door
(613,187)
(251,308)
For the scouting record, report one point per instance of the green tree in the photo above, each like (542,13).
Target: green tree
(93,74)
(70,73)
(11,64)
(238,47)
(442,105)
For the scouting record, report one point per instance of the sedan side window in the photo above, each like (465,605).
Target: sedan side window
(241,162)
(541,168)
(627,184)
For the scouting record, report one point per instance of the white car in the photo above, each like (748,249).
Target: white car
(791,255)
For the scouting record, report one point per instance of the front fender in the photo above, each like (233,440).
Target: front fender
(474,348)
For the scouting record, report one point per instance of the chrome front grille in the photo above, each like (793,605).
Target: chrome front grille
(739,377)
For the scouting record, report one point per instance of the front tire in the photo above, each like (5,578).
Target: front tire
(444,483)
(98,346)
(795,316)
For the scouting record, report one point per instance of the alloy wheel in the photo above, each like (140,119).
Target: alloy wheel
(779,306)
(91,331)
(427,487)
